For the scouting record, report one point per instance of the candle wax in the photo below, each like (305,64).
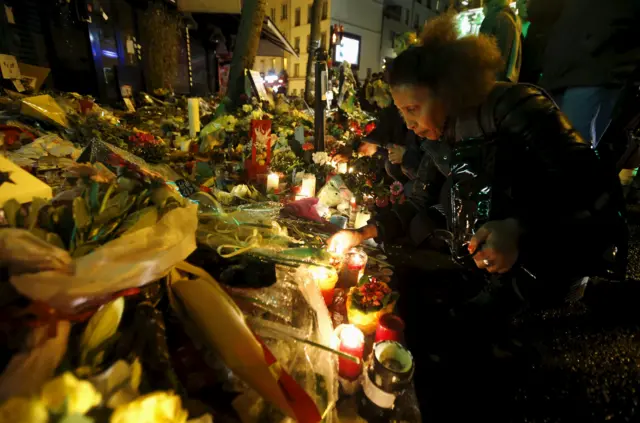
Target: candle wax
(273,181)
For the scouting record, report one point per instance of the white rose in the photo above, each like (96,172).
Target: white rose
(320,158)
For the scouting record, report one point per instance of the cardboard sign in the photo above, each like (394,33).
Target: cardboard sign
(299,134)
(9,67)
(129,104)
(18,85)
(258,85)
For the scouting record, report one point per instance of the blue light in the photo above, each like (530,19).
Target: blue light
(109,53)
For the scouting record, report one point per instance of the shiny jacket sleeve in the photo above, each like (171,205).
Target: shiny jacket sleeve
(567,202)
(421,195)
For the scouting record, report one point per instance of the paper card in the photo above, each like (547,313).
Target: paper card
(18,85)
(126,90)
(130,46)
(8,11)
(9,67)
(299,134)
(129,104)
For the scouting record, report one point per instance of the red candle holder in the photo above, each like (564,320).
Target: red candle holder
(390,328)
(351,342)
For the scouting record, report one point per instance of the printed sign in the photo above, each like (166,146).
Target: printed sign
(9,67)
(186,188)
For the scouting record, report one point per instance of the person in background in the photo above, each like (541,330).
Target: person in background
(592,49)
(502,23)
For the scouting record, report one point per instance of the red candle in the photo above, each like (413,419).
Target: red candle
(351,342)
(326,279)
(390,328)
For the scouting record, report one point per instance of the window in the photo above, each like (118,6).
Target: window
(416,21)
(294,91)
(296,44)
(325,10)
(308,42)
(393,39)
(296,70)
(406,18)
(297,22)
(261,65)
(429,4)
(323,40)
(273,14)
(283,16)
(273,64)
(309,14)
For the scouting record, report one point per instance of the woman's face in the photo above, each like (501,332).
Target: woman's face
(421,110)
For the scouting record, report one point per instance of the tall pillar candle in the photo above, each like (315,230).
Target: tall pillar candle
(194,116)
(273,181)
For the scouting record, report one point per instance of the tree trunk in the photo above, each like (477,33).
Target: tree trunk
(246,46)
(314,42)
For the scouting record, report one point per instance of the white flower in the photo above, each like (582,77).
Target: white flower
(320,158)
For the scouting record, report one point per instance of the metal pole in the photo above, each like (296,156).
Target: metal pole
(321,79)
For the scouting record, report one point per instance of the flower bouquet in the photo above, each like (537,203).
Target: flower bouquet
(368,302)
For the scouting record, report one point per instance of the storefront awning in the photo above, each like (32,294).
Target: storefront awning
(272,41)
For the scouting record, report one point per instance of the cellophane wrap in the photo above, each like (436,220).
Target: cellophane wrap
(130,261)
(293,308)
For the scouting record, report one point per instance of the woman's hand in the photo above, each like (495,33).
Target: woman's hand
(342,241)
(367,149)
(498,244)
(395,154)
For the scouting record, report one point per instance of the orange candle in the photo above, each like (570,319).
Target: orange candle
(326,280)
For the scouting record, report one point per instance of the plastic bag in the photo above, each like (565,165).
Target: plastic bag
(129,261)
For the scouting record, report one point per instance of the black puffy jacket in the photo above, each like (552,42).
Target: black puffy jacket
(517,156)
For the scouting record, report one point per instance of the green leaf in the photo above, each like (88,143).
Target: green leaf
(93,196)
(36,205)
(81,215)
(11,209)
(363,280)
(116,206)
(102,326)
(139,220)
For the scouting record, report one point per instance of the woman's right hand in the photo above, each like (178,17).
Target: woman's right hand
(342,241)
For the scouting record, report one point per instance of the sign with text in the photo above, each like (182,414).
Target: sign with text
(9,67)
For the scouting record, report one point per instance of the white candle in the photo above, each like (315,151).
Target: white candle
(194,116)
(342,167)
(273,181)
(361,219)
(308,188)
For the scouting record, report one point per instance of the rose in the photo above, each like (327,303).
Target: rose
(307,146)
(79,395)
(382,202)
(23,410)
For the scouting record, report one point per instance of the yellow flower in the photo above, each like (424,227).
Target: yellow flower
(80,395)
(229,123)
(247,108)
(257,114)
(23,410)
(157,407)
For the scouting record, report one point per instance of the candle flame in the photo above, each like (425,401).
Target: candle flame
(351,336)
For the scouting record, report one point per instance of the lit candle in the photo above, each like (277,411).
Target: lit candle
(326,280)
(351,342)
(308,188)
(353,204)
(342,167)
(362,218)
(193,105)
(273,181)
(353,269)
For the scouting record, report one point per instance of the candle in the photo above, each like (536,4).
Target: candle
(342,167)
(326,280)
(362,219)
(194,116)
(353,269)
(351,342)
(390,328)
(308,188)
(273,182)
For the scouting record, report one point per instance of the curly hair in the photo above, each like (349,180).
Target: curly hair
(460,71)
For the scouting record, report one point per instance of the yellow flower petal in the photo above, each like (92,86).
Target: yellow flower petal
(80,395)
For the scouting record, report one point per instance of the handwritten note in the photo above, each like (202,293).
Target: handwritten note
(9,67)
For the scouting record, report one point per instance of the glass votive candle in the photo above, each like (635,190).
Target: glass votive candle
(326,279)
(390,328)
(351,341)
(356,261)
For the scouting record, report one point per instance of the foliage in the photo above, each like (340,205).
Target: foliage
(371,295)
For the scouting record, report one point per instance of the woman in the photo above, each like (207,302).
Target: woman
(528,203)
(528,198)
